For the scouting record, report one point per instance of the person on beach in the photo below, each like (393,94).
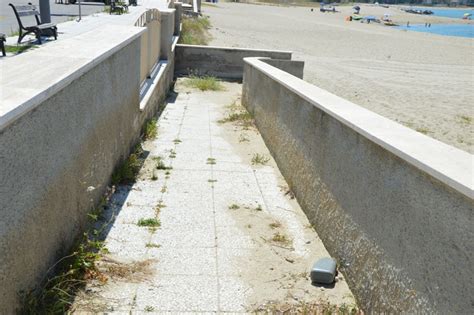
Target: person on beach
(408,24)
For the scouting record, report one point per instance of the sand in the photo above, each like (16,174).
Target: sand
(424,81)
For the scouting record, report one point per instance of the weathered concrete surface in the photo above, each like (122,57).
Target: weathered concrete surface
(64,126)
(222,62)
(214,250)
(293,67)
(167,31)
(56,161)
(395,207)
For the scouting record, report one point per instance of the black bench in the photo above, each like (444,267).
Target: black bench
(2,45)
(119,8)
(41,29)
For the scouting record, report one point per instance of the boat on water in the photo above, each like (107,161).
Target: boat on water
(417,11)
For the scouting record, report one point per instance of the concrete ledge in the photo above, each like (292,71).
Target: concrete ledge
(222,62)
(29,79)
(293,67)
(392,205)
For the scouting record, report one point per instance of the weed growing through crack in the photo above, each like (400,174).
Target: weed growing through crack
(275,225)
(258,208)
(466,119)
(243,138)
(261,159)
(212,180)
(177,141)
(280,238)
(164,189)
(160,165)
(152,245)
(172,154)
(149,222)
(234,206)
(154,176)
(211,161)
(149,308)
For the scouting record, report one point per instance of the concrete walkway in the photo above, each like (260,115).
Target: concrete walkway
(97,21)
(232,238)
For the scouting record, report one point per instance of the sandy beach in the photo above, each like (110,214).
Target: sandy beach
(424,81)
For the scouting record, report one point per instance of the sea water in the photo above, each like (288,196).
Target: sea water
(461,30)
(451,13)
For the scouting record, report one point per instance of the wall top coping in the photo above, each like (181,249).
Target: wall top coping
(234,48)
(452,166)
(30,78)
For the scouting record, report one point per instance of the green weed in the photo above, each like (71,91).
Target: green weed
(127,172)
(18,49)
(150,130)
(195,31)
(259,159)
(149,222)
(205,83)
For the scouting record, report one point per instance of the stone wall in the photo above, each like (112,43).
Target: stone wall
(393,206)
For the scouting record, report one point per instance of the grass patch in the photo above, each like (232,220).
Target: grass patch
(275,225)
(195,31)
(18,49)
(127,172)
(323,308)
(281,238)
(234,206)
(423,130)
(466,119)
(204,83)
(149,222)
(211,161)
(261,159)
(150,131)
(177,141)
(258,208)
(240,116)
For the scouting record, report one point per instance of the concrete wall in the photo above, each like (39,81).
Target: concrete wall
(69,114)
(222,62)
(293,67)
(393,206)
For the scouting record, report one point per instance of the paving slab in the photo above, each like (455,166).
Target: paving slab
(232,237)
